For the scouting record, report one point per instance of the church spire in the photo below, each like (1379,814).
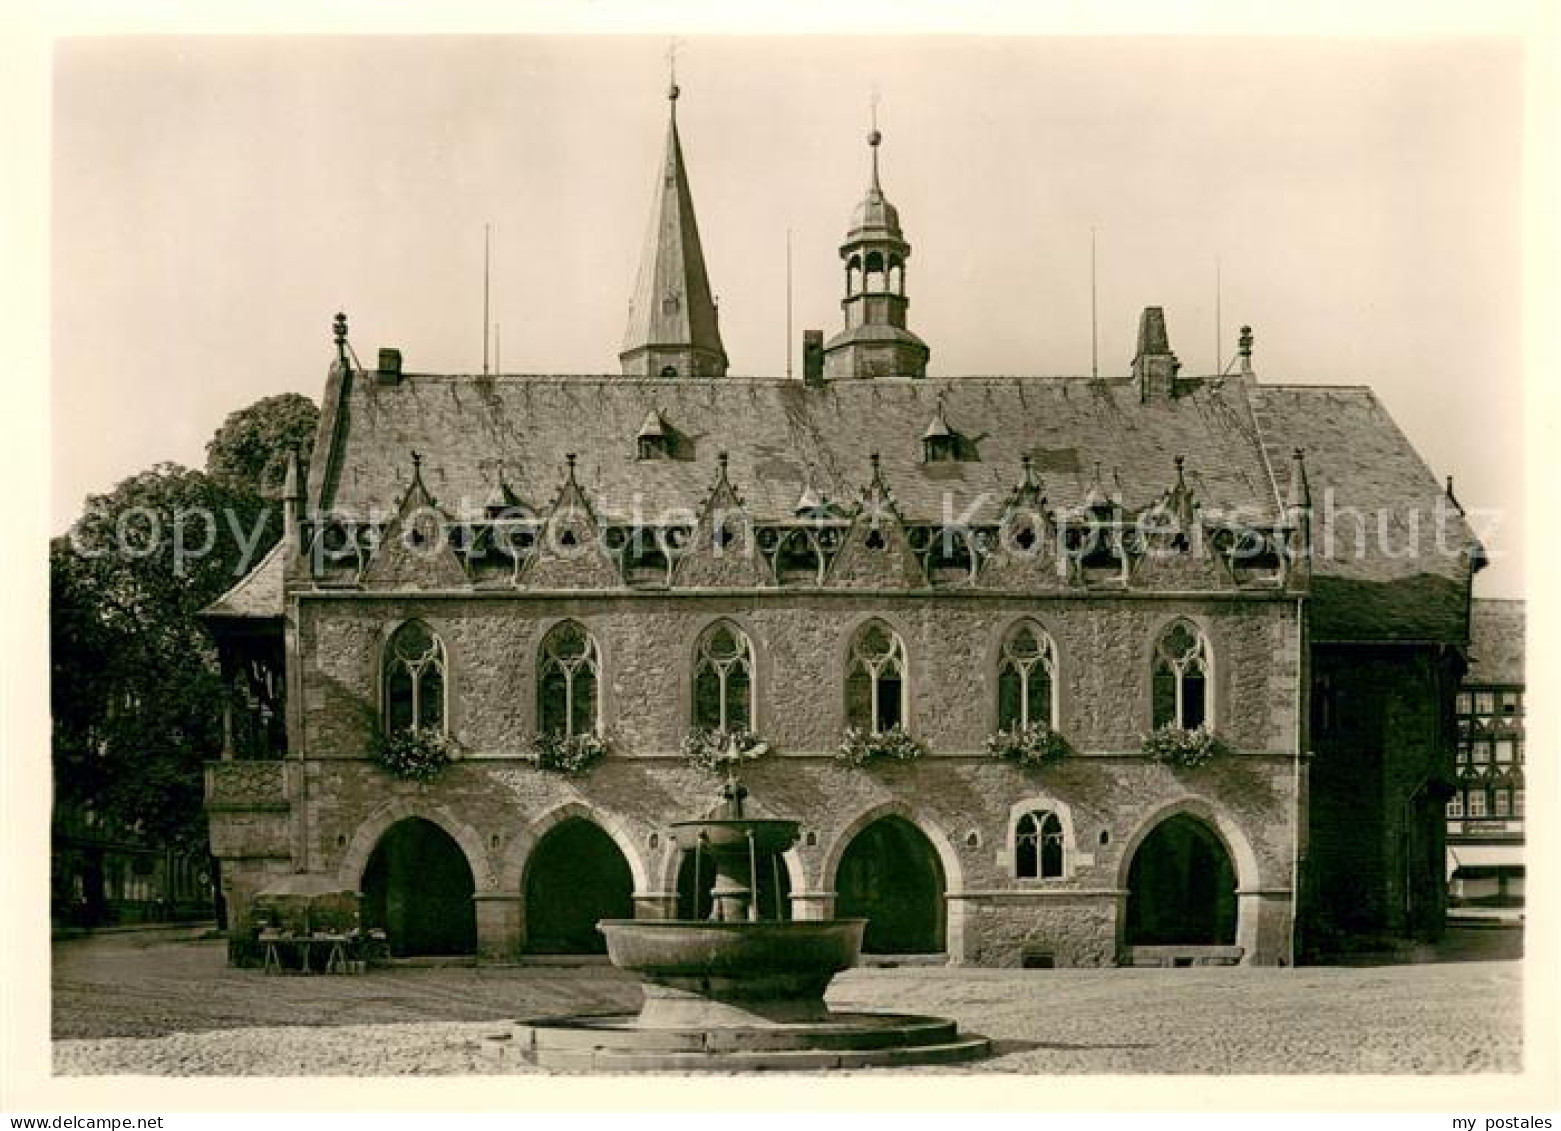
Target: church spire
(875,341)
(673,326)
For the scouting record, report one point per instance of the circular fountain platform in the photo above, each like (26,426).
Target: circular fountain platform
(620,1043)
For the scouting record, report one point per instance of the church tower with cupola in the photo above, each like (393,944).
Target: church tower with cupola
(875,341)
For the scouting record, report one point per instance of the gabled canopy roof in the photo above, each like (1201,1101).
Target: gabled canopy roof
(258,595)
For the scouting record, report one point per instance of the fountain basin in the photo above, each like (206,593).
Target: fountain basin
(732,973)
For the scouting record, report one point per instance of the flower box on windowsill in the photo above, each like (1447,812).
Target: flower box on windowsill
(1028,746)
(573,755)
(1179,746)
(859,747)
(414,754)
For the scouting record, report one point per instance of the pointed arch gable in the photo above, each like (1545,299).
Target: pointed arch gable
(889,565)
(415,549)
(512,867)
(349,872)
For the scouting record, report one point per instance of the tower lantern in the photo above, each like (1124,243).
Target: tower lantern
(875,341)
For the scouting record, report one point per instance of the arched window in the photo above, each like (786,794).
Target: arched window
(1038,846)
(1181,678)
(875,679)
(1026,679)
(723,679)
(874,277)
(568,667)
(414,679)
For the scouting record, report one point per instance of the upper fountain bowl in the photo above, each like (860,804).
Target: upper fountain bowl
(769,835)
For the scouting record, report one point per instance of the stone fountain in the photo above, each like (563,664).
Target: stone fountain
(734,991)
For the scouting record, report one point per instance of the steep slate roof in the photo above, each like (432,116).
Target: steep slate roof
(1496,643)
(258,594)
(781,435)
(1356,457)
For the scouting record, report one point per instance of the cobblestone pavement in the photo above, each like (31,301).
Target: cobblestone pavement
(150,1005)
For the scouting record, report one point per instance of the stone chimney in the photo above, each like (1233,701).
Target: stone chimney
(389,370)
(1155,366)
(813,357)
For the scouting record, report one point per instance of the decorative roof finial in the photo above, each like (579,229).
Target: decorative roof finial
(1244,347)
(1300,493)
(672,73)
(721,458)
(569,459)
(339,333)
(874,137)
(1180,463)
(810,500)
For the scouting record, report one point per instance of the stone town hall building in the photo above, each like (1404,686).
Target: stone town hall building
(636,555)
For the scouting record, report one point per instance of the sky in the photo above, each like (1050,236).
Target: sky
(215,201)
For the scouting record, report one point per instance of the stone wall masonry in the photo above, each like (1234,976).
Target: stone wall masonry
(498,807)
(1376,829)
(801,642)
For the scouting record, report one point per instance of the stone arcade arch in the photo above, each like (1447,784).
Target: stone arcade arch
(574,876)
(1181,886)
(417,886)
(888,870)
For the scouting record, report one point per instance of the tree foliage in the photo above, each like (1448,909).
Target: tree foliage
(250,449)
(136,692)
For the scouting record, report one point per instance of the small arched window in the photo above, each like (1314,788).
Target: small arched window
(875,679)
(723,679)
(1181,678)
(568,673)
(1038,846)
(1026,679)
(414,679)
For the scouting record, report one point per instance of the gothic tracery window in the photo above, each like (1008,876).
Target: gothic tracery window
(723,679)
(875,679)
(1038,846)
(414,679)
(1025,678)
(568,671)
(1181,678)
